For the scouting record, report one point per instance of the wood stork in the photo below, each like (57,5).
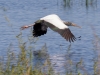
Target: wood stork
(56,24)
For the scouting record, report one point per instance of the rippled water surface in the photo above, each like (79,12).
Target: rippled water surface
(16,13)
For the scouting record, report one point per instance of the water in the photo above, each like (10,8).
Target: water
(25,12)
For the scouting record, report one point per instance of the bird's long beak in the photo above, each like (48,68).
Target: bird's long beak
(75,25)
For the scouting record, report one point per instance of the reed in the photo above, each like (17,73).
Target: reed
(87,3)
(31,62)
(96,43)
(23,64)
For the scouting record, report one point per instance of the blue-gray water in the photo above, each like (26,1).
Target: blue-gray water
(23,12)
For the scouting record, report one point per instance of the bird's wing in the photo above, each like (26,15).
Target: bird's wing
(39,29)
(66,33)
(56,24)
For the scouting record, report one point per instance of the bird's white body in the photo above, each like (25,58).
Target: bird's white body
(56,24)
(54,20)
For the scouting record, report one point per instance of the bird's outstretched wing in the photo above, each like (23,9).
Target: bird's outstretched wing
(39,29)
(66,33)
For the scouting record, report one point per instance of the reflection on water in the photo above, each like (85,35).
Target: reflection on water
(60,63)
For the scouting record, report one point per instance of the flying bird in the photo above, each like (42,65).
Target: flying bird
(55,23)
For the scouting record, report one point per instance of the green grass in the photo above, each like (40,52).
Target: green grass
(23,64)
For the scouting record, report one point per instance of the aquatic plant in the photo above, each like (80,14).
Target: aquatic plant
(87,3)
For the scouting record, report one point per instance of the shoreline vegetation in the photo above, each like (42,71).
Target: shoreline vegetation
(31,62)
(86,3)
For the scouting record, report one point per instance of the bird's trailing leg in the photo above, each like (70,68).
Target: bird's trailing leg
(26,26)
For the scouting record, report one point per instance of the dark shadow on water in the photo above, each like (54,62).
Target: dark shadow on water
(42,60)
(40,55)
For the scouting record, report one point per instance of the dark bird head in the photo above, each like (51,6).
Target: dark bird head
(71,24)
